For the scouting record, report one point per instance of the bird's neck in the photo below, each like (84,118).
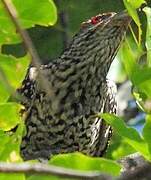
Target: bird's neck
(93,59)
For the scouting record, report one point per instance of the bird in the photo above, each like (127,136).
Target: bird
(64,120)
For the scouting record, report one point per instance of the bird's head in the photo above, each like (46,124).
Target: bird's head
(99,38)
(107,25)
(107,28)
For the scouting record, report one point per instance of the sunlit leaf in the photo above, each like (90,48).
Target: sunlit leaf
(10,151)
(145,88)
(7,29)
(136,3)
(130,135)
(14,69)
(30,13)
(128,59)
(4,94)
(3,140)
(12,73)
(4,176)
(132,11)
(82,162)
(9,115)
(131,6)
(123,150)
(142,75)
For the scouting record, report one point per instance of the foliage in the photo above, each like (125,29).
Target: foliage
(12,73)
(140,76)
(130,135)
(13,70)
(82,162)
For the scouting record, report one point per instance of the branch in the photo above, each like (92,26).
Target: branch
(27,42)
(50,170)
(135,167)
(140,173)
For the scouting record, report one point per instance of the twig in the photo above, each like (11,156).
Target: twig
(50,170)
(27,42)
(63,17)
(64,23)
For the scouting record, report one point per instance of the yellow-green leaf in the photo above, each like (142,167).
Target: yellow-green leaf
(131,8)
(9,115)
(147,11)
(130,135)
(146,131)
(30,13)
(14,69)
(85,163)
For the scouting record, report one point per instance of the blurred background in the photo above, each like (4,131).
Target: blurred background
(51,41)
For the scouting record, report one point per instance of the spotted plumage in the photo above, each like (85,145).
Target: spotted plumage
(64,120)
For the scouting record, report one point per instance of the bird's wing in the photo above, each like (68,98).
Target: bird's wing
(109,106)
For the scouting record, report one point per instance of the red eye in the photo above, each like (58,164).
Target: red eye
(95,20)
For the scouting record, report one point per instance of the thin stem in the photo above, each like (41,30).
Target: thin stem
(50,170)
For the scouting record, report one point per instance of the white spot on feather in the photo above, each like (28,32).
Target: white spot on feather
(33,73)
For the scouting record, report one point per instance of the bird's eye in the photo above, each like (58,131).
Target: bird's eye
(99,18)
(95,20)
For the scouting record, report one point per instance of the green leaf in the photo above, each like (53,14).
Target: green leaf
(10,145)
(142,79)
(4,94)
(4,176)
(3,140)
(147,11)
(132,11)
(82,162)
(128,59)
(136,3)
(124,149)
(130,135)
(141,75)
(30,13)
(8,32)
(9,115)
(44,177)
(145,87)
(146,132)
(12,73)
(131,6)
(14,69)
